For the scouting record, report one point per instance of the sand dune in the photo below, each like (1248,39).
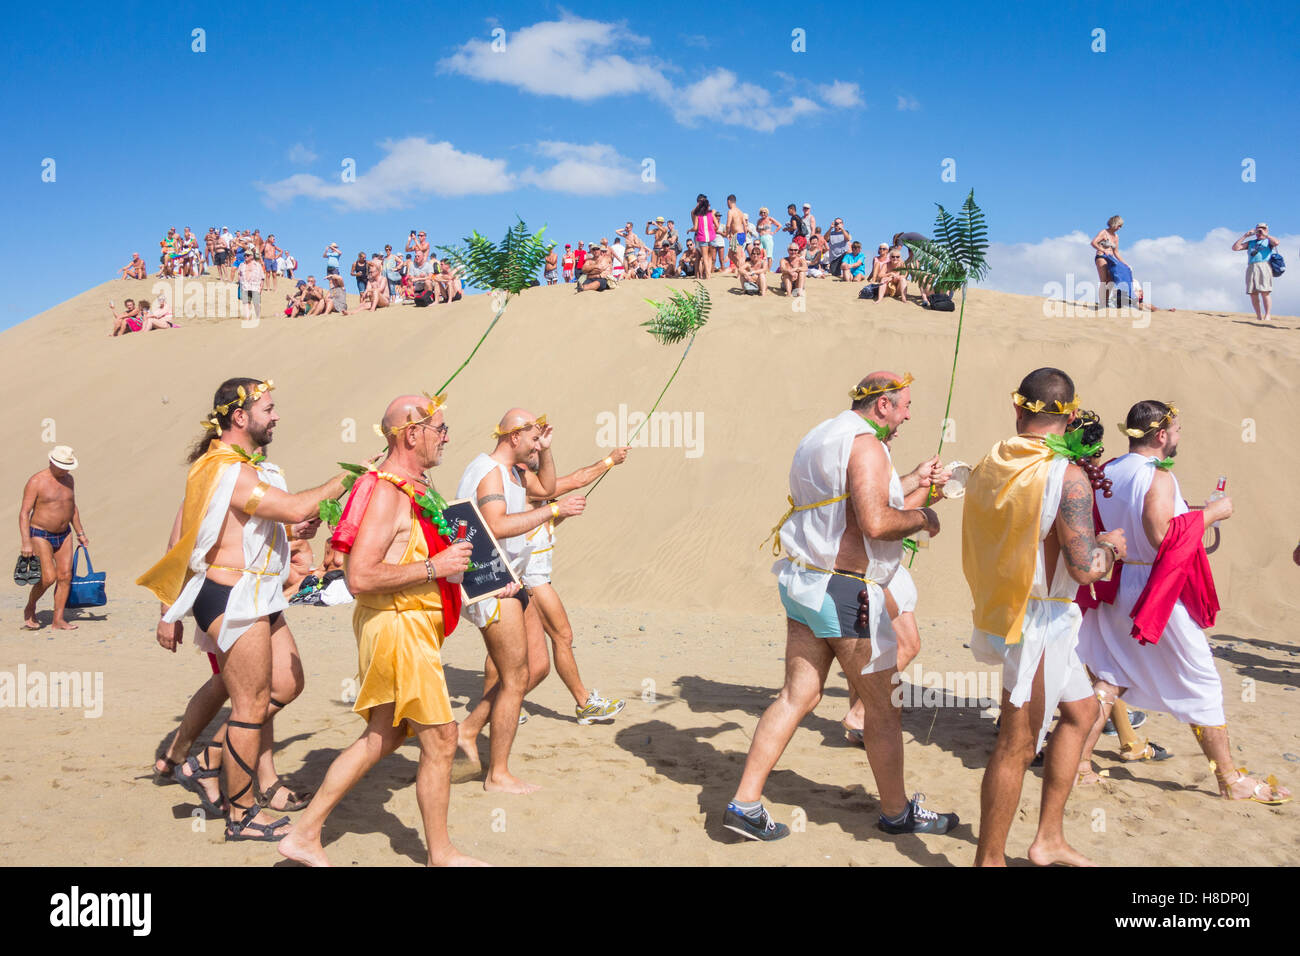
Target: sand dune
(670,542)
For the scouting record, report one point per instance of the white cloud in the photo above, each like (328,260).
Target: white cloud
(300,155)
(580,60)
(721,98)
(842,94)
(570,57)
(411,169)
(1175,272)
(590,169)
(414,168)
(907,103)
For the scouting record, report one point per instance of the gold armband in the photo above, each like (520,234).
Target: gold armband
(609,462)
(255,498)
(555,510)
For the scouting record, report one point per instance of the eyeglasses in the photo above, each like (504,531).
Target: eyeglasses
(440,430)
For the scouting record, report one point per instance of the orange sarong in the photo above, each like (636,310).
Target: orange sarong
(399,643)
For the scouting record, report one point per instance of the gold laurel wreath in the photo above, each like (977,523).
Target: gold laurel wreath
(1155,426)
(1040,407)
(893,385)
(540,422)
(241,396)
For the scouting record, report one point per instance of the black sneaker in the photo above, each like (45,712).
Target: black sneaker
(919,819)
(761,828)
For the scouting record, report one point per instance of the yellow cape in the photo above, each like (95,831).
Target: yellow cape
(999,533)
(166,578)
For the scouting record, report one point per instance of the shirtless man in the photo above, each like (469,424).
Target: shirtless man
(209,245)
(46,522)
(597,270)
(396,560)
(589,707)
(734,230)
(839,546)
(552,272)
(511,626)
(135,269)
(313,297)
(228,566)
(449,284)
(271,260)
(793,271)
(753,270)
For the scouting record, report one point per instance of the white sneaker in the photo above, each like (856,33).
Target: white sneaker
(598,708)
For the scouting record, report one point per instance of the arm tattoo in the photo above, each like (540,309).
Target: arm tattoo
(1078,542)
(486,498)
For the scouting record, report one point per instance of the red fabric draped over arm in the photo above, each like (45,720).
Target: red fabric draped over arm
(1181,572)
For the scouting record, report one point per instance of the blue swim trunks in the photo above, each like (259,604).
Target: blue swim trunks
(838,615)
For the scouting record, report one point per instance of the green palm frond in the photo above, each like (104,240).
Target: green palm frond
(507,266)
(973,239)
(957,255)
(684,314)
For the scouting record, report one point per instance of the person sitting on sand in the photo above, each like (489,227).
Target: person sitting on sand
(793,269)
(1170,666)
(313,297)
(337,298)
(880,264)
(894,281)
(149,320)
(597,271)
(376,294)
(47,519)
(752,271)
(449,286)
(129,321)
(853,264)
(135,269)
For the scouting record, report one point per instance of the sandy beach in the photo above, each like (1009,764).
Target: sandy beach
(666,581)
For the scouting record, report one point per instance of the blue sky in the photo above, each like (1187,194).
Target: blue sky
(449,135)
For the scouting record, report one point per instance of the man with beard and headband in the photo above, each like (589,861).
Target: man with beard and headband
(1158,657)
(1028,542)
(511,627)
(228,566)
(839,547)
(404,574)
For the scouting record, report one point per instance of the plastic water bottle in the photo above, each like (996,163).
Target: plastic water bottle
(1219,492)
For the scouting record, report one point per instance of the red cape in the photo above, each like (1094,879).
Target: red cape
(345,535)
(1181,572)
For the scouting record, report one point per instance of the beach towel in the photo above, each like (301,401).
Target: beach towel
(1121,276)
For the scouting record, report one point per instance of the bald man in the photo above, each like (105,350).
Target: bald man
(512,628)
(839,547)
(397,566)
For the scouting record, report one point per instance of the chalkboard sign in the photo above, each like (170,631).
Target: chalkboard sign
(493,571)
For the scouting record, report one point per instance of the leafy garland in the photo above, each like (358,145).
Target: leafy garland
(1071,445)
